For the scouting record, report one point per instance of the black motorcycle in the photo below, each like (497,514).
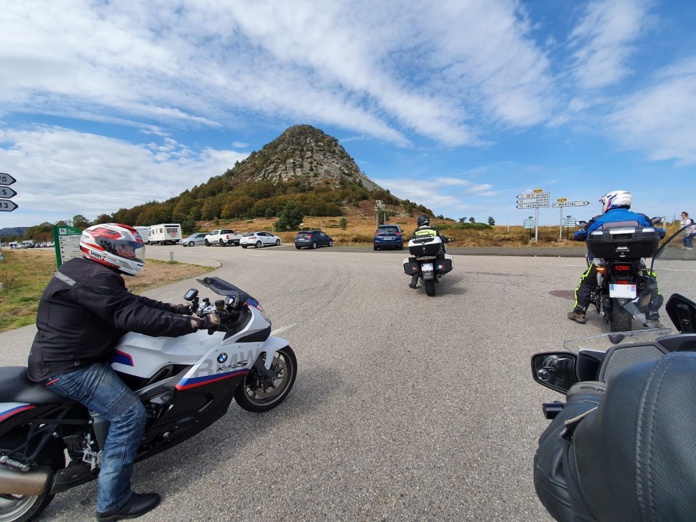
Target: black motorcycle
(428,261)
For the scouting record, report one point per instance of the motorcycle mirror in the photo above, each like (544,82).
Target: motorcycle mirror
(656,220)
(555,370)
(582,223)
(190,295)
(682,312)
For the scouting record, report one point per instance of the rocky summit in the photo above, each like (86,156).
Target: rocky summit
(302,151)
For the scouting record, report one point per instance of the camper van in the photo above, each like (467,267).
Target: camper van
(144,233)
(164,234)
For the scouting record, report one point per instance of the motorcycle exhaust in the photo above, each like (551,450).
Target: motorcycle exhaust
(32,482)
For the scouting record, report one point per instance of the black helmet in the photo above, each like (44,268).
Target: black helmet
(423,221)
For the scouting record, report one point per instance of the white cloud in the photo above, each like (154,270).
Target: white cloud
(661,119)
(605,39)
(61,173)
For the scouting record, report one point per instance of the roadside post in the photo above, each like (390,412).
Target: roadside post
(562,203)
(536,200)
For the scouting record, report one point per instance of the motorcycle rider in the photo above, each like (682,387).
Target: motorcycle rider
(82,314)
(425,230)
(615,213)
(623,451)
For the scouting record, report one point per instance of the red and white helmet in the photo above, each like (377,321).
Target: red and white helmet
(616,199)
(114,245)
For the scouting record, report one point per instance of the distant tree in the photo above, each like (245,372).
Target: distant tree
(80,221)
(491,221)
(343,223)
(269,213)
(472,220)
(103,218)
(440,216)
(290,218)
(462,219)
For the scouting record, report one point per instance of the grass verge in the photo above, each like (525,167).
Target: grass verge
(24,275)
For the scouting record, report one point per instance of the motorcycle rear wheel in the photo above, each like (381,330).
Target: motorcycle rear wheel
(621,319)
(429,287)
(258,394)
(23,508)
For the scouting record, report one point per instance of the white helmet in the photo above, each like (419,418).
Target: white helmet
(616,199)
(117,246)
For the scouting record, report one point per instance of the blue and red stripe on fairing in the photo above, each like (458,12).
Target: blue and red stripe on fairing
(194,382)
(6,414)
(121,358)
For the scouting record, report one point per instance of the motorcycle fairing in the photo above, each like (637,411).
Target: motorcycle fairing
(8,409)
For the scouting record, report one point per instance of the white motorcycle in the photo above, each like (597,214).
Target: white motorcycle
(428,261)
(185,383)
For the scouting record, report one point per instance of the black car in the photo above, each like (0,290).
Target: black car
(312,239)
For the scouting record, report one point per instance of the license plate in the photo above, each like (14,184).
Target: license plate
(427,267)
(622,291)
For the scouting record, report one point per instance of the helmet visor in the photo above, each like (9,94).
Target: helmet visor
(131,250)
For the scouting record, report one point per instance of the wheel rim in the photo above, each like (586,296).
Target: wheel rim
(262,392)
(314,245)
(14,506)
(258,244)
(191,243)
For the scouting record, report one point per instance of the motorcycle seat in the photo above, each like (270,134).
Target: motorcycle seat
(16,387)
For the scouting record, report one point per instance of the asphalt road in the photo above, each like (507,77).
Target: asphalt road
(406,407)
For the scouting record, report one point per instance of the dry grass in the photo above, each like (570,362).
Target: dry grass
(24,275)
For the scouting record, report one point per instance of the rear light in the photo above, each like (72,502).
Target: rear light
(622,268)
(602,269)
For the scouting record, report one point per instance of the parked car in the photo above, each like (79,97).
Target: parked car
(222,237)
(194,239)
(312,239)
(259,239)
(388,236)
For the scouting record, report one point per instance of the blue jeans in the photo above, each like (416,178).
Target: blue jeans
(98,388)
(688,240)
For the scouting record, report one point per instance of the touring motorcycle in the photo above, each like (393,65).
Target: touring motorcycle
(49,444)
(428,261)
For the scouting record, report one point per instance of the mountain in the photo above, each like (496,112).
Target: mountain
(302,151)
(13,231)
(303,166)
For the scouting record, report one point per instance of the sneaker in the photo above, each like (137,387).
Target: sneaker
(653,323)
(412,285)
(577,316)
(689,248)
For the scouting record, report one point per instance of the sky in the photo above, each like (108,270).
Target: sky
(458,105)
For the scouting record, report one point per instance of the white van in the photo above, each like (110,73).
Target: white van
(164,234)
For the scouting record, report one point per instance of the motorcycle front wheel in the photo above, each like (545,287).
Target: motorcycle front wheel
(260,392)
(22,508)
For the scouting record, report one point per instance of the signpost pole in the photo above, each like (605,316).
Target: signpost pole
(536,224)
(560,226)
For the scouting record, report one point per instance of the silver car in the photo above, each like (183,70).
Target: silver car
(194,239)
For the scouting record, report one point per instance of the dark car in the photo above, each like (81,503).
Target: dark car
(312,239)
(389,236)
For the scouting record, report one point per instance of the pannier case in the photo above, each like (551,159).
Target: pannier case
(632,242)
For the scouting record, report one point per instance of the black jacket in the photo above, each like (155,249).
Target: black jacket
(634,457)
(85,310)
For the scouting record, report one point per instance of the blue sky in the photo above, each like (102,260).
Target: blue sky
(458,105)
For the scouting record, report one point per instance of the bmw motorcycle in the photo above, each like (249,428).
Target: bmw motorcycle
(428,261)
(49,444)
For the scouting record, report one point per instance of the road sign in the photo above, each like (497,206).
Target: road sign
(569,221)
(529,222)
(560,203)
(7,193)
(535,195)
(535,200)
(7,205)
(6,179)
(67,243)
(539,204)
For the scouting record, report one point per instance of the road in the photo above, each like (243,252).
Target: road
(406,407)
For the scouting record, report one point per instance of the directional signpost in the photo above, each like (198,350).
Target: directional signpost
(6,193)
(536,200)
(562,203)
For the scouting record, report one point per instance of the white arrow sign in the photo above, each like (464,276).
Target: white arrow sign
(6,179)
(6,192)
(535,195)
(533,205)
(7,205)
(571,204)
(537,200)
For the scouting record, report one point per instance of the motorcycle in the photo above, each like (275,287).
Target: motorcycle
(600,357)
(428,260)
(185,383)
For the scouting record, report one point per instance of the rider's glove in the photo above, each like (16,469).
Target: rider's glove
(209,322)
(181,309)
